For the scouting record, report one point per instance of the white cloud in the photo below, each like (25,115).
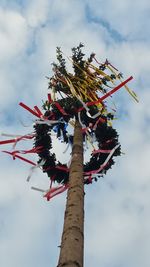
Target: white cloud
(129,18)
(117,208)
(13,33)
(37,12)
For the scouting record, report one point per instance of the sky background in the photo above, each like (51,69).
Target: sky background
(117,208)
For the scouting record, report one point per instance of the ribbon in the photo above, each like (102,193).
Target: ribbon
(29,109)
(79,118)
(60,108)
(17,139)
(77,65)
(33,150)
(104,164)
(90,140)
(100,151)
(99,120)
(38,189)
(38,111)
(48,122)
(52,192)
(93,176)
(132,93)
(70,85)
(49,98)
(84,129)
(87,112)
(108,63)
(32,169)
(10,135)
(93,116)
(23,137)
(51,180)
(107,94)
(19,157)
(102,73)
(90,179)
(7,141)
(63,168)
(55,191)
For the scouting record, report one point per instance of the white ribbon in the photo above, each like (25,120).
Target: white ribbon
(105,162)
(48,122)
(39,189)
(79,117)
(33,168)
(87,110)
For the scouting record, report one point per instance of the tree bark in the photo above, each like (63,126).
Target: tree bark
(72,243)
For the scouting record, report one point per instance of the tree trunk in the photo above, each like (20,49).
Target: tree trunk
(72,243)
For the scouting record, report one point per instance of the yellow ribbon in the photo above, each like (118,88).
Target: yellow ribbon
(132,93)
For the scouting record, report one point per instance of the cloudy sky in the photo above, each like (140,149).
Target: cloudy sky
(117,210)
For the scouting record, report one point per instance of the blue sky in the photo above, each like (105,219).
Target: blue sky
(117,216)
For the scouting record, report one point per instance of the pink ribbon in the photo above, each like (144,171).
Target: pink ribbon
(100,151)
(108,63)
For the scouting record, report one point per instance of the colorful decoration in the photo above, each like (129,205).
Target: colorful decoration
(80,96)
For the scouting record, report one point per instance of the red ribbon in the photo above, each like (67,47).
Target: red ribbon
(38,111)
(96,171)
(110,92)
(55,191)
(60,108)
(7,141)
(107,94)
(102,120)
(19,157)
(63,168)
(29,109)
(33,150)
(16,139)
(84,129)
(49,98)
(90,179)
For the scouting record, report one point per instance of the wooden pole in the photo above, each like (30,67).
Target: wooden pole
(72,243)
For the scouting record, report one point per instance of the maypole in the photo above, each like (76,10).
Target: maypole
(82,101)
(72,244)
